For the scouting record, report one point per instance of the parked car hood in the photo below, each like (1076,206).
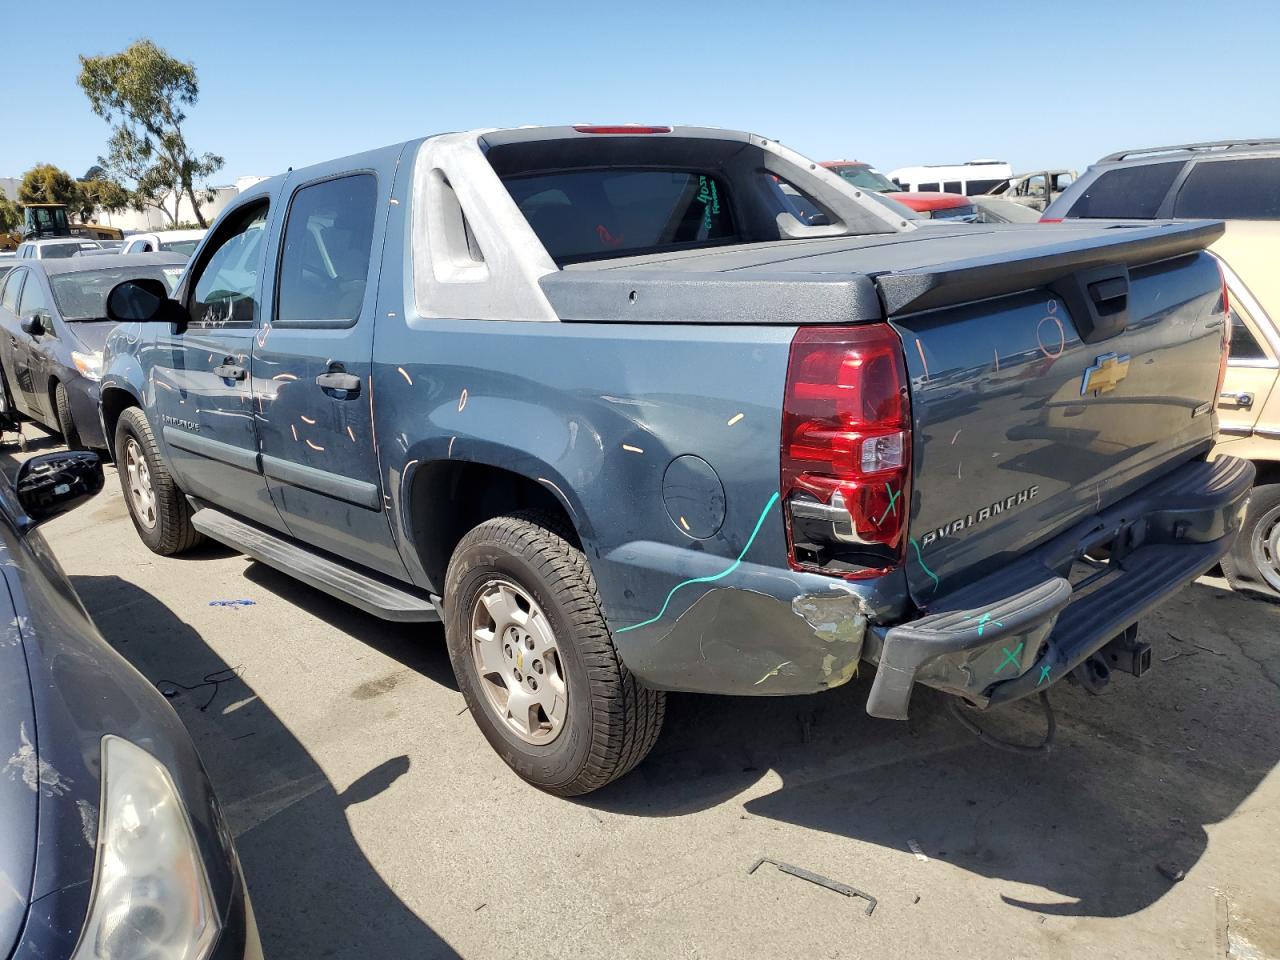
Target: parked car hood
(92,333)
(20,783)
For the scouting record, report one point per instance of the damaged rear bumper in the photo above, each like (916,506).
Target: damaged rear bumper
(1028,626)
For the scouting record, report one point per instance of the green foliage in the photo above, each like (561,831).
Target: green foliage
(99,194)
(142,92)
(45,183)
(10,215)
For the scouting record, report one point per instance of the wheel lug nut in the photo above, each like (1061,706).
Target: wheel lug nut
(533,683)
(507,651)
(518,677)
(537,666)
(528,643)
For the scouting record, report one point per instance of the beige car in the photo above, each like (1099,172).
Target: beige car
(1249,407)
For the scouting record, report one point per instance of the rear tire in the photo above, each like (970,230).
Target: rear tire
(1253,564)
(522,612)
(66,422)
(158,509)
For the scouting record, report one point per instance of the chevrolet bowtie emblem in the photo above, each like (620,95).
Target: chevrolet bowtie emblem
(1108,370)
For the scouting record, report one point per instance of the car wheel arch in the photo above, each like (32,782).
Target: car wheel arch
(113,401)
(446,497)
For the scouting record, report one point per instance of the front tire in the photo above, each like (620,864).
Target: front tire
(159,511)
(535,661)
(1254,562)
(66,422)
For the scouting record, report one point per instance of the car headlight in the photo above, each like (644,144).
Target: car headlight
(151,897)
(89,364)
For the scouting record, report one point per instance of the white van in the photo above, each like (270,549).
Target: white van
(968,179)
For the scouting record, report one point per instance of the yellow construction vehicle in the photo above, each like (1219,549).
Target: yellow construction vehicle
(41,220)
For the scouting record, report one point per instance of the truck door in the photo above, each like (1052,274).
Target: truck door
(312,363)
(201,378)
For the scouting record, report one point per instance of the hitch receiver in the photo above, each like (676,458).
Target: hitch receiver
(1126,652)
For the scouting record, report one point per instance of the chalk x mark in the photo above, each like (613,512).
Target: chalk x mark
(920,559)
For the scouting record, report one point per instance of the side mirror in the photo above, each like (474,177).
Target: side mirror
(33,325)
(55,482)
(145,300)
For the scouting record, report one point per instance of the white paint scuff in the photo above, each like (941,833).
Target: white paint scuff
(34,772)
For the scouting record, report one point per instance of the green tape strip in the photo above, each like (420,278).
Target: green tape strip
(711,579)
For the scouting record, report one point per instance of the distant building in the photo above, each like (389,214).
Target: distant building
(9,187)
(145,221)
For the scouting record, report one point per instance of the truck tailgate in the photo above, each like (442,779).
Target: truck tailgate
(1021,426)
(1031,407)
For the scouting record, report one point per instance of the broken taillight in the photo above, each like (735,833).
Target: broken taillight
(846,450)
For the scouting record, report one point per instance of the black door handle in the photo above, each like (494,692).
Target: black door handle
(229,370)
(338,379)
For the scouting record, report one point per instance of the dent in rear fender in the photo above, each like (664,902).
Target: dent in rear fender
(596,414)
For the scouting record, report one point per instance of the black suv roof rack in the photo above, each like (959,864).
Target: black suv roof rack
(1192,148)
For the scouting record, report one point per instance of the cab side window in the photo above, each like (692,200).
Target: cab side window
(324,259)
(9,298)
(225,289)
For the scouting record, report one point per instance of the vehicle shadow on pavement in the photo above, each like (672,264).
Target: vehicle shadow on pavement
(1102,823)
(314,891)
(418,646)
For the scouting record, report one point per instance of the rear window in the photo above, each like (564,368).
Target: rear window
(953,213)
(183,247)
(974,187)
(1231,190)
(1127,193)
(59,251)
(588,214)
(83,295)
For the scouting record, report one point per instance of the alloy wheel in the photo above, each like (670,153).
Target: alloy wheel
(141,493)
(518,662)
(1265,547)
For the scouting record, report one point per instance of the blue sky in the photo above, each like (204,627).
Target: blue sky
(894,83)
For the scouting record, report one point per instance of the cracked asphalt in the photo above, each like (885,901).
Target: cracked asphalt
(374,821)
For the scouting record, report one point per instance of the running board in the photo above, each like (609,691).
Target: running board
(368,592)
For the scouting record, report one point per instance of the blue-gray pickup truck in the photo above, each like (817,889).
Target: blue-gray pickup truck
(639,409)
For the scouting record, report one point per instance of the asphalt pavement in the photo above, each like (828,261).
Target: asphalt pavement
(374,821)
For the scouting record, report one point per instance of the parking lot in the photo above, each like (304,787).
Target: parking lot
(373,819)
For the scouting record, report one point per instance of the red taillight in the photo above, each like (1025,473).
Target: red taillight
(1050,219)
(846,449)
(619,128)
(1226,336)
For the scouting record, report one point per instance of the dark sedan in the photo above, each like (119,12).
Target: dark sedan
(52,328)
(112,845)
